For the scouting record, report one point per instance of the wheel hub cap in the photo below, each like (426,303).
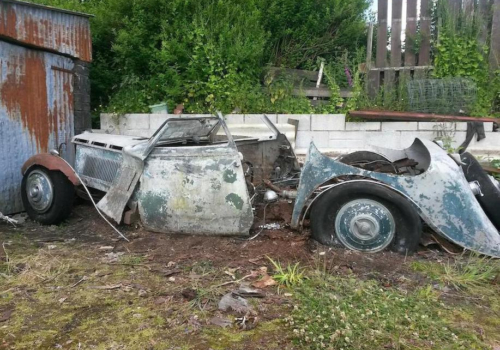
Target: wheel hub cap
(39,191)
(365,224)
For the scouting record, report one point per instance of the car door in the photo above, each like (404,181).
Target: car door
(192,187)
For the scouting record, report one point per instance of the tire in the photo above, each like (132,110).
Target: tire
(490,200)
(47,195)
(369,218)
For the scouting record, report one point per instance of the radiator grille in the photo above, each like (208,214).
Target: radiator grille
(100,168)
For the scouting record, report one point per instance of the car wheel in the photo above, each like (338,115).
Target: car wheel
(490,200)
(366,217)
(47,195)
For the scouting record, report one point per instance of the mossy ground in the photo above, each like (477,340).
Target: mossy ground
(89,291)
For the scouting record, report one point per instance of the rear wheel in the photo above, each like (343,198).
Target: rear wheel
(47,195)
(366,217)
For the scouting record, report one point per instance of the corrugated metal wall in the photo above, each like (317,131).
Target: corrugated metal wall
(53,30)
(36,113)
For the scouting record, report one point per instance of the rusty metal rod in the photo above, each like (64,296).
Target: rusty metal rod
(411,116)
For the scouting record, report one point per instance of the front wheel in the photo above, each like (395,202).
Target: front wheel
(47,195)
(366,217)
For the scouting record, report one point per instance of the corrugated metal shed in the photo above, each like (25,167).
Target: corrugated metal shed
(41,63)
(52,29)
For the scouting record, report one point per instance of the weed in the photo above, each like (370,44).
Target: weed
(289,276)
(346,313)
(467,272)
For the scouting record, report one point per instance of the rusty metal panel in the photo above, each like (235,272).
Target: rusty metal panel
(51,29)
(36,113)
(195,190)
(441,194)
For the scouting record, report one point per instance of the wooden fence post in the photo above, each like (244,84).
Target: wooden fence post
(411,31)
(495,37)
(425,30)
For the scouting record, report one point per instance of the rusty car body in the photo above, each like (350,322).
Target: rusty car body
(193,176)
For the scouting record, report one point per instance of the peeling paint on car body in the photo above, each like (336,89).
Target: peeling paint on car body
(441,194)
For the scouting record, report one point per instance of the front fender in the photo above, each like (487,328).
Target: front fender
(52,163)
(441,195)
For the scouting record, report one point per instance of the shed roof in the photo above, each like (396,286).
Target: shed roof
(51,8)
(45,27)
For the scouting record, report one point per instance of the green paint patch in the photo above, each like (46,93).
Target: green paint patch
(216,185)
(229,176)
(235,200)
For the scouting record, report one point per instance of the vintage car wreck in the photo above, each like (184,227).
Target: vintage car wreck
(192,176)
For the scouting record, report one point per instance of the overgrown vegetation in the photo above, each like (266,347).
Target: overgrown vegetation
(210,54)
(461,52)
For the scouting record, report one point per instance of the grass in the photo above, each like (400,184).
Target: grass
(327,308)
(348,313)
(468,272)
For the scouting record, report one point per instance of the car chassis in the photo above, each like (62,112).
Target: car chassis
(193,176)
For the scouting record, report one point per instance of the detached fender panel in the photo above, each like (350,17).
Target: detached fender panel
(52,163)
(441,195)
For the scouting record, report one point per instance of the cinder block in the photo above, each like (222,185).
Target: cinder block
(156,120)
(235,118)
(386,139)
(399,126)
(407,137)
(135,121)
(353,145)
(304,120)
(187,115)
(347,135)
(488,127)
(109,121)
(304,138)
(461,126)
(437,126)
(362,126)
(257,118)
(327,122)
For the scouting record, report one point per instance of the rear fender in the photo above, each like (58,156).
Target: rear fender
(52,163)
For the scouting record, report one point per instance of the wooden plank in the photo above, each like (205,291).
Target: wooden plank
(303,74)
(411,32)
(320,92)
(425,30)
(484,17)
(495,37)
(381,59)
(397,13)
(373,85)
(454,7)
(369,46)
(408,116)
(405,68)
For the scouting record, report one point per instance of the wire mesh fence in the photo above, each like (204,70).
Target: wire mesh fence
(442,96)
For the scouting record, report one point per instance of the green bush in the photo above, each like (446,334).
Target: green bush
(210,54)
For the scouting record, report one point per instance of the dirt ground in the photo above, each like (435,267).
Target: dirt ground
(78,286)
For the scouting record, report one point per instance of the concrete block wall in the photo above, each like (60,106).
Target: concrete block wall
(330,132)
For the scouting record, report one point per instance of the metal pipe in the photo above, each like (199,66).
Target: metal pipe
(410,116)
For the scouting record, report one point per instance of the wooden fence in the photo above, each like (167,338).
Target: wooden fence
(417,62)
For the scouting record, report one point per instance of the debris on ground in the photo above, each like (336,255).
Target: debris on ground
(7,219)
(234,302)
(221,321)
(265,280)
(5,314)
(271,226)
